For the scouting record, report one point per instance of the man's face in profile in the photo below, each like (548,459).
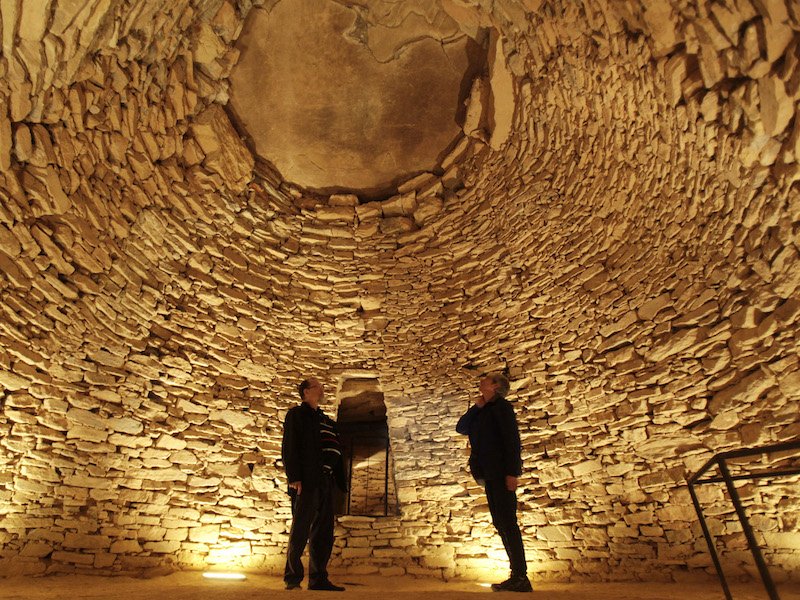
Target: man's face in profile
(314,392)
(487,387)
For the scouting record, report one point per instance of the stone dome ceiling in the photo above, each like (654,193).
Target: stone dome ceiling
(616,226)
(350,98)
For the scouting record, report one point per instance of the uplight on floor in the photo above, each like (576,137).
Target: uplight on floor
(229,576)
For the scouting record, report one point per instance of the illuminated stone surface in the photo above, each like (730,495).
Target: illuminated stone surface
(626,246)
(338,96)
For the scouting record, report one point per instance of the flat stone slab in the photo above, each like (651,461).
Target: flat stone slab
(342,97)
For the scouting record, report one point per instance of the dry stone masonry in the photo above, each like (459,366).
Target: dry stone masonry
(618,225)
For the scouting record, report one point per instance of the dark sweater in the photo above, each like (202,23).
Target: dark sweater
(303,451)
(495,448)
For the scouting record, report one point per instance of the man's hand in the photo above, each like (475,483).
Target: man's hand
(511,483)
(297,485)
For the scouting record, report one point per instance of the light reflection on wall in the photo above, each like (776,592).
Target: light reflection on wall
(243,556)
(232,555)
(488,560)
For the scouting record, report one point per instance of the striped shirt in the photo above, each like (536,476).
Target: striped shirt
(329,439)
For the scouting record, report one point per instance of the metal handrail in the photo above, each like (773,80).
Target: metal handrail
(720,461)
(783,446)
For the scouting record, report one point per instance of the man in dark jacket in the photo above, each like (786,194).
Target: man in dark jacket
(496,462)
(312,458)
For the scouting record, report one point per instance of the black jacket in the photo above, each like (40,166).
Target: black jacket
(495,448)
(302,450)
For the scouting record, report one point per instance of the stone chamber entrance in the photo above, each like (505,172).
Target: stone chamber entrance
(203,202)
(366,449)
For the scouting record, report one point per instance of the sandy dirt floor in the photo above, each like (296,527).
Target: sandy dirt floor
(192,586)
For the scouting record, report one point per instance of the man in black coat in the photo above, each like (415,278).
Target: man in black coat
(496,462)
(312,458)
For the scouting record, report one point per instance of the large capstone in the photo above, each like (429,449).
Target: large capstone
(349,96)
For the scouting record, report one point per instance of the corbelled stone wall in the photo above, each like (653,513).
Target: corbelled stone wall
(618,228)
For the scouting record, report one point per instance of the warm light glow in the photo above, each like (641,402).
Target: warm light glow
(219,575)
(485,584)
(229,555)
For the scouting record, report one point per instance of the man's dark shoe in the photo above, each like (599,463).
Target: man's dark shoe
(516,583)
(292,585)
(326,586)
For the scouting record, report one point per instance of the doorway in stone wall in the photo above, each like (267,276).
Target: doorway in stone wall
(366,449)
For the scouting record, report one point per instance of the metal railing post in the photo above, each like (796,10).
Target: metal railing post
(710,541)
(748,532)
(386,482)
(350,478)
(725,477)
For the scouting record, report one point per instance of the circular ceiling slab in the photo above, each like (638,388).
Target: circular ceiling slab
(345,97)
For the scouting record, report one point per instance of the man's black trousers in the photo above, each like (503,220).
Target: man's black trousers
(312,522)
(503,507)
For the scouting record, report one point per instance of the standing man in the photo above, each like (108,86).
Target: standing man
(496,463)
(312,458)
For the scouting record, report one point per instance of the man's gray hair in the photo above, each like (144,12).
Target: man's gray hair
(502,383)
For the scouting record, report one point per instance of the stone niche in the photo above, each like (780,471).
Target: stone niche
(352,96)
